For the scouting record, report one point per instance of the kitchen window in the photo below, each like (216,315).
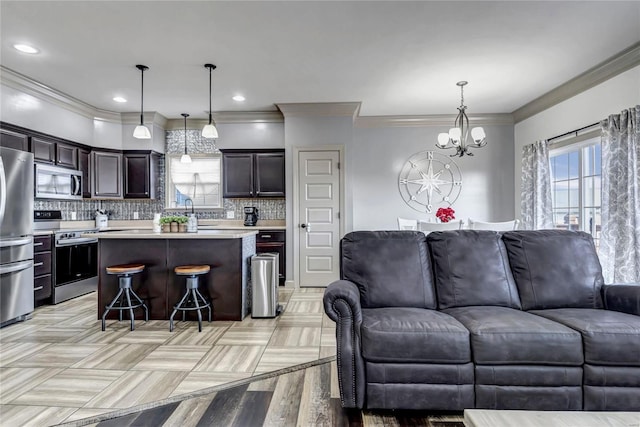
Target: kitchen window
(199,181)
(576,187)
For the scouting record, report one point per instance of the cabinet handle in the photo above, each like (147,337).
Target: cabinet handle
(38,288)
(38,244)
(266,236)
(38,264)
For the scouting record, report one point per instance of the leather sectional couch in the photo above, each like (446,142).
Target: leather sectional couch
(479,319)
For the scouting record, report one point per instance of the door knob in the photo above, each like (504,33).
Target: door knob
(303,225)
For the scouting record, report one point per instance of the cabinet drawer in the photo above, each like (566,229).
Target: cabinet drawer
(266,236)
(42,287)
(41,243)
(41,263)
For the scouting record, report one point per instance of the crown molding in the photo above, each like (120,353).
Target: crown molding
(228,117)
(431,120)
(32,87)
(327,109)
(149,117)
(611,67)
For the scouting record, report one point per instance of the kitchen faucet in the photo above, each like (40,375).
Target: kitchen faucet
(185,205)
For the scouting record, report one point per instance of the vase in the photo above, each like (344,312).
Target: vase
(174,227)
(166,228)
(182,228)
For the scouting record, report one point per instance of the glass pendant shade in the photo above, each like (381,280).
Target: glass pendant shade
(456,135)
(478,134)
(185,158)
(141,132)
(209,131)
(443,139)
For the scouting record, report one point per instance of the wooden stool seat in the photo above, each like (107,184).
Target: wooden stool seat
(125,269)
(190,270)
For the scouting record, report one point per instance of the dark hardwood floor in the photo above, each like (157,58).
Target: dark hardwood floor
(303,397)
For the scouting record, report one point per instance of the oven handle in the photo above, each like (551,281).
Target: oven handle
(16,267)
(20,241)
(73,242)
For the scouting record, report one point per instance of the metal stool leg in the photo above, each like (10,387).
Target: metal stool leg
(109,307)
(193,292)
(175,310)
(206,303)
(144,306)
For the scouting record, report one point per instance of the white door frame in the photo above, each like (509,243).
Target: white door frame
(296,212)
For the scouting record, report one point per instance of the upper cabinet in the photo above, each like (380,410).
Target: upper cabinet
(14,139)
(53,152)
(141,178)
(253,173)
(106,171)
(84,165)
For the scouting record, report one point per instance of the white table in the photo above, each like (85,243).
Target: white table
(492,418)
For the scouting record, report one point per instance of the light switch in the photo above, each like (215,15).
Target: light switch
(73,216)
(135,215)
(231,214)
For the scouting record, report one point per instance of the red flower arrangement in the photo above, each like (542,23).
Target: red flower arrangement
(445,214)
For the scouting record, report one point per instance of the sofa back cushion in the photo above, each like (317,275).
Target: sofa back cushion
(555,268)
(390,268)
(471,268)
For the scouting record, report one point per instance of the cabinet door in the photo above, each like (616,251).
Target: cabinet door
(237,175)
(107,174)
(15,140)
(137,175)
(84,165)
(66,156)
(269,181)
(44,150)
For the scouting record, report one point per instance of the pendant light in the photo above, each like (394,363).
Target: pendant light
(141,131)
(209,130)
(186,158)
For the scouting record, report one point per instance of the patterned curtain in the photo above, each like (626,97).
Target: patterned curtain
(620,239)
(536,208)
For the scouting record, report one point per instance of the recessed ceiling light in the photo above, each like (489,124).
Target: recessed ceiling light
(25,48)
(238,98)
(119,99)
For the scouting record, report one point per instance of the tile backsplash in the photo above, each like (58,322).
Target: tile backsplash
(124,209)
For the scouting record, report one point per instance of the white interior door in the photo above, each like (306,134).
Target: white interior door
(319,217)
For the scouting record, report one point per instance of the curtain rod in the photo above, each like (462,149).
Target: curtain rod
(574,131)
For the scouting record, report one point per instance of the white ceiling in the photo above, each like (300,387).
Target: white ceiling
(397,58)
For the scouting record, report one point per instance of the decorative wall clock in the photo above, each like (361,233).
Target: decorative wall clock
(428,180)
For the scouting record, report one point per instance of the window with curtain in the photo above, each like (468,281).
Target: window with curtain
(199,181)
(576,187)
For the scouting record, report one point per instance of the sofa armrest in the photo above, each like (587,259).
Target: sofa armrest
(622,297)
(342,305)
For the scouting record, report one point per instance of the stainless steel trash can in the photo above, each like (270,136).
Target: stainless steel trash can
(264,278)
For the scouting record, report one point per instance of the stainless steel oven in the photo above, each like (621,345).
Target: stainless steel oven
(76,265)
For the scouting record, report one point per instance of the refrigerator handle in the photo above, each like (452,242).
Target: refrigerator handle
(12,268)
(3,191)
(6,243)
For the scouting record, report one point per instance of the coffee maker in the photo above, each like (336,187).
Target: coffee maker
(250,215)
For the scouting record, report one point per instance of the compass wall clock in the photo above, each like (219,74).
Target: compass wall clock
(429,180)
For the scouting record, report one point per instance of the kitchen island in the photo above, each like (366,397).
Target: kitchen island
(228,252)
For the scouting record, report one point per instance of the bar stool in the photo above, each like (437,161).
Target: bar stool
(124,273)
(191,299)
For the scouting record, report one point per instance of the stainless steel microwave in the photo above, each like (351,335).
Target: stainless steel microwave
(53,182)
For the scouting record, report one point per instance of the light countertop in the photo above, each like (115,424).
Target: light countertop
(148,234)
(203,224)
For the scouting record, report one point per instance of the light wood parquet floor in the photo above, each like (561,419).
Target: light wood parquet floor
(60,367)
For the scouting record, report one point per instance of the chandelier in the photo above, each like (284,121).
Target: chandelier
(458,135)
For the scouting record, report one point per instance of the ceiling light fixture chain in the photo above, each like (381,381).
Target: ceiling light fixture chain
(209,130)
(459,134)
(186,158)
(141,131)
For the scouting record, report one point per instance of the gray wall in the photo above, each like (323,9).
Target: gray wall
(377,155)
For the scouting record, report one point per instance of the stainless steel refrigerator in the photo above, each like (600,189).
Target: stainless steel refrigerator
(16,235)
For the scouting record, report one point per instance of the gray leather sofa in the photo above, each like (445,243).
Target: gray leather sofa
(479,319)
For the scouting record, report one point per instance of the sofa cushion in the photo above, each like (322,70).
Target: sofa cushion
(501,335)
(402,335)
(470,268)
(390,268)
(609,337)
(554,268)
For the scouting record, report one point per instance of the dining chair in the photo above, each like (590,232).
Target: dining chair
(428,227)
(407,224)
(495,226)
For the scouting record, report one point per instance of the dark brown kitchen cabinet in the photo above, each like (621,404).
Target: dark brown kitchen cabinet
(253,173)
(141,180)
(274,241)
(13,139)
(106,174)
(66,155)
(84,165)
(44,150)
(42,278)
